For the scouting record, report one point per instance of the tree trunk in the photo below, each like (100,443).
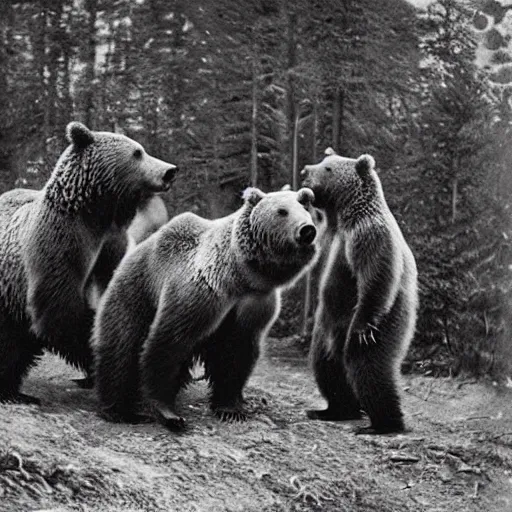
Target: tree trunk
(177,76)
(66,85)
(254,126)
(309,277)
(92,10)
(40,55)
(6,13)
(454,200)
(295,151)
(337,118)
(291,29)
(52,70)
(455,169)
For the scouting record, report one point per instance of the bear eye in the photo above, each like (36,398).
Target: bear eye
(328,169)
(137,153)
(282,212)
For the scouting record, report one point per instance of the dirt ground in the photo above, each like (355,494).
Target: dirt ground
(62,456)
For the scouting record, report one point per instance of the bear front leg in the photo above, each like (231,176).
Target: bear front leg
(231,352)
(19,351)
(60,316)
(178,329)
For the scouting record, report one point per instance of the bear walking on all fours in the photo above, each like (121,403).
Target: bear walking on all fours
(198,288)
(50,240)
(368,296)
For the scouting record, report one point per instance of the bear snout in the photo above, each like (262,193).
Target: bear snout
(169,175)
(306,234)
(158,174)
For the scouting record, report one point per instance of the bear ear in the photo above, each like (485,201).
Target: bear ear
(329,152)
(79,135)
(365,164)
(286,187)
(305,196)
(253,195)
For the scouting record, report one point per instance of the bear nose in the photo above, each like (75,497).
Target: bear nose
(169,174)
(306,169)
(307,234)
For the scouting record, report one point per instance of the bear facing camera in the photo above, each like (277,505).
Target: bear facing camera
(368,296)
(50,240)
(198,288)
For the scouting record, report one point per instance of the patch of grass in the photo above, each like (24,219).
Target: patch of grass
(28,477)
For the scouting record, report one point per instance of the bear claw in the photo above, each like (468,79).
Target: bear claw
(84,383)
(230,416)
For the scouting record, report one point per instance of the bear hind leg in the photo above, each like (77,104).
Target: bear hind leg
(342,403)
(331,377)
(18,353)
(375,382)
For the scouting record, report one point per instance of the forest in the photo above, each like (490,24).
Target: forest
(246,92)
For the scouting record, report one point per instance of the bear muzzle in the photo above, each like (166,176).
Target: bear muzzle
(162,174)
(169,176)
(306,234)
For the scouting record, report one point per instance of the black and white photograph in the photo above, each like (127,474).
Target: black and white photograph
(256,256)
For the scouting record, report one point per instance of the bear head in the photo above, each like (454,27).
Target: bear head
(282,231)
(339,182)
(105,166)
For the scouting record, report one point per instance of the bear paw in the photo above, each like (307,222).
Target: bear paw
(230,414)
(169,418)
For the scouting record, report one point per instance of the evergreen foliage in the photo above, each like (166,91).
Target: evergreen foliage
(241,92)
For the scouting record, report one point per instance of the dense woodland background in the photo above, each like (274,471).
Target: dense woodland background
(240,92)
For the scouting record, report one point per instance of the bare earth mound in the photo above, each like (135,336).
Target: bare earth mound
(63,457)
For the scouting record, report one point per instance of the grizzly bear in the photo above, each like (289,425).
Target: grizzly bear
(199,288)
(50,240)
(368,296)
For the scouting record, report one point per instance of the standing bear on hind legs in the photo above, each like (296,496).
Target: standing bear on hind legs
(50,240)
(368,296)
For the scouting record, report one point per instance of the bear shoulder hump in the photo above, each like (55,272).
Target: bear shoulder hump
(184,228)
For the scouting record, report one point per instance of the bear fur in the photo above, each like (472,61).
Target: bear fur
(150,216)
(368,296)
(199,288)
(50,240)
